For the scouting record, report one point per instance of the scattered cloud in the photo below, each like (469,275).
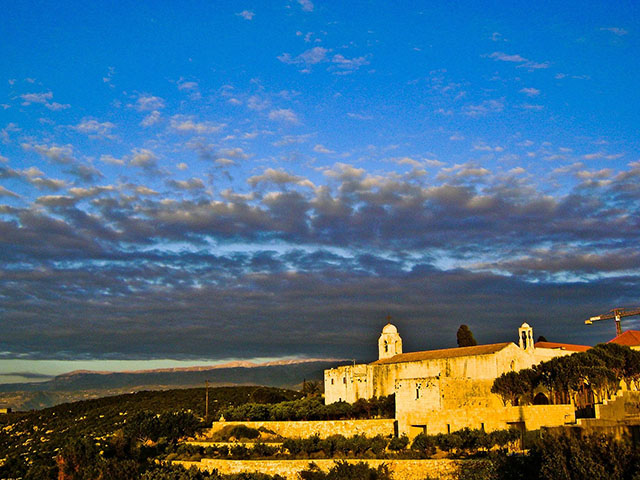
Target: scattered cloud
(519,59)
(151,119)
(307,58)
(5,192)
(42,99)
(144,158)
(322,149)
(484,108)
(620,32)
(284,115)
(186,124)
(95,129)
(530,91)
(306,5)
(246,14)
(148,103)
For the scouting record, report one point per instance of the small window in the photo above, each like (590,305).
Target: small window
(332,381)
(448,428)
(417,393)
(482,427)
(344,380)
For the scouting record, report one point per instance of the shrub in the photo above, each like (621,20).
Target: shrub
(424,444)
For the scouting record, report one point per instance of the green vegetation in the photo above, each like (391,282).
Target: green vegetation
(133,437)
(465,337)
(582,377)
(564,457)
(463,442)
(312,409)
(121,426)
(346,471)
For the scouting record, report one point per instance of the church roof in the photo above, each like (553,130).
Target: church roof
(562,346)
(444,353)
(630,338)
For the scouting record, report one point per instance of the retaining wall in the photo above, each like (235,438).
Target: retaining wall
(324,428)
(444,469)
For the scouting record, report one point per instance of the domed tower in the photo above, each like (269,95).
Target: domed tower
(389,343)
(525,337)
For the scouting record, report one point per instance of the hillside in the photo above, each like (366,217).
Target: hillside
(82,385)
(42,433)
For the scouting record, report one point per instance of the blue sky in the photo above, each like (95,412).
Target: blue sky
(272,179)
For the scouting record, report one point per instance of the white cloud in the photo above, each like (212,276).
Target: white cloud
(182,85)
(143,158)
(111,160)
(256,103)
(183,123)
(516,58)
(42,99)
(148,103)
(347,65)
(4,192)
(530,91)
(284,115)
(484,108)
(29,98)
(306,5)
(505,57)
(63,155)
(309,57)
(322,149)
(359,116)
(151,119)
(280,177)
(95,129)
(182,166)
(237,153)
(246,14)
(620,32)
(483,147)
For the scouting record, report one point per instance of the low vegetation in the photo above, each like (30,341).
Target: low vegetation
(312,408)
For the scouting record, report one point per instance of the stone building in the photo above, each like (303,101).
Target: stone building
(438,391)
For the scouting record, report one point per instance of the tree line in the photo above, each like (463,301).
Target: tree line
(582,378)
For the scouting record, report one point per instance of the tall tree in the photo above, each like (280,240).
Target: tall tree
(465,337)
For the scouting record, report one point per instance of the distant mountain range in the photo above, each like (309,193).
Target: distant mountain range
(83,384)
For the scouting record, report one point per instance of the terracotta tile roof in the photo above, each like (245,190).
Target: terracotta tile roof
(444,353)
(630,338)
(562,346)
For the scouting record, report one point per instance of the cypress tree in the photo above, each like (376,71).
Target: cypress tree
(465,337)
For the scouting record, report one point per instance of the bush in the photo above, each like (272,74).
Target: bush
(346,471)
(424,444)
(399,443)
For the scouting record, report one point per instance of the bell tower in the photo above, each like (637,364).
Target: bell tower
(525,337)
(389,343)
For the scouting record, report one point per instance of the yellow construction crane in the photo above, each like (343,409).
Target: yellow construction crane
(616,313)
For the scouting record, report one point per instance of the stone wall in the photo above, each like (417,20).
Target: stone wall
(324,428)
(529,417)
(623,406)
(444,469)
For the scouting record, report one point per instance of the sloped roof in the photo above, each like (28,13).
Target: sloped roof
(630,338)
(562,346)
(444,353)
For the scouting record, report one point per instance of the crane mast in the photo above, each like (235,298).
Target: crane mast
(617,314)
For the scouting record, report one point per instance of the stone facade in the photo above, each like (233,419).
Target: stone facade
(446,390)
